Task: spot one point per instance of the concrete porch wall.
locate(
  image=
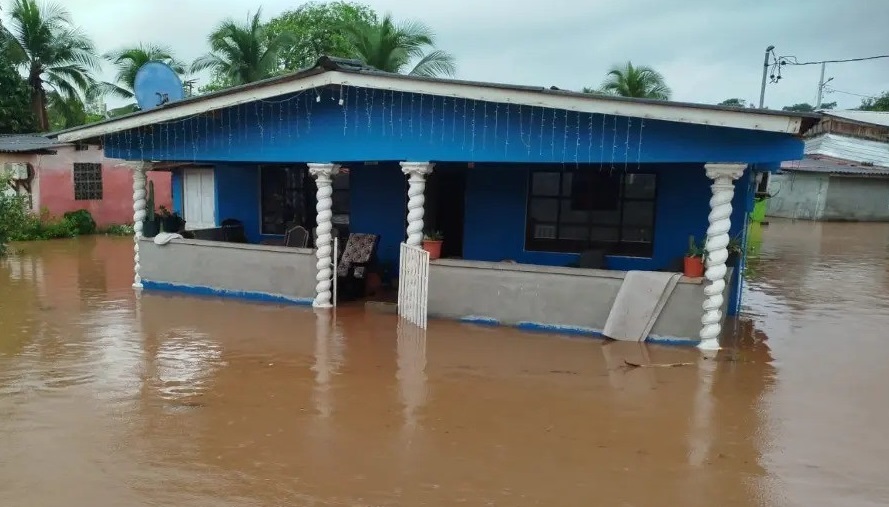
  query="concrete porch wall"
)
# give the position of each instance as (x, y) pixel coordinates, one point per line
(542, 296)
(237, 269)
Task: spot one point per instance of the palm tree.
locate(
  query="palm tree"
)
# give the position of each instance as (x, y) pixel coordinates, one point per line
(56, 54)
(241, 52)
(128, 62)
(391, 47)
(630, 81)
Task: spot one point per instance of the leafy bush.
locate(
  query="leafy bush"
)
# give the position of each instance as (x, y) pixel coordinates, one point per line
(119, 230)
(82, 221)
(18, 223)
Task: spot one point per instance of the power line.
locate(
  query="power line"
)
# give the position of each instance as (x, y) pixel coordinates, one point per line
(834, 90)
(791, 60)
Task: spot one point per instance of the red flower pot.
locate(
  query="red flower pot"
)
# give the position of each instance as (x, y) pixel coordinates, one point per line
(433, 247)
(694, 267)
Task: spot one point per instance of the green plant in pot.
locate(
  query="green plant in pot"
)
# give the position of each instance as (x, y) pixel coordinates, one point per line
(150, 225)
(734, 251)
(432, 241)
(170, 221)
(693, 264)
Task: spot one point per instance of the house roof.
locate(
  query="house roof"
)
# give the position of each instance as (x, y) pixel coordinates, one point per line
(879, 118)
(26, 143)
(334, 71)
(828, 165)
(849, 148)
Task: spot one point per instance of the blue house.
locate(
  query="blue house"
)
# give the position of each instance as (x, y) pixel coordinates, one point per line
(520, 181)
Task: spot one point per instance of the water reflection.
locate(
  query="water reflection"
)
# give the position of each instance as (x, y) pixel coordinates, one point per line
(411, 373)
(328, 358)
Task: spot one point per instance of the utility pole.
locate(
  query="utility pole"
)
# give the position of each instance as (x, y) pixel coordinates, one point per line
(821, 84)
(765, 70)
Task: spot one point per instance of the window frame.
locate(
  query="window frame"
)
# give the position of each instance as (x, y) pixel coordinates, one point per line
(619, 247)
(262, 212)
(95, 185)
(309, 198)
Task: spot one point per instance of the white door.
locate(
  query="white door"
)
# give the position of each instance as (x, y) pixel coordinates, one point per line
(199, 198)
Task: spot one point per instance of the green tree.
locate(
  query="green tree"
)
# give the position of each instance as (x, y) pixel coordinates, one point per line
(55, 54)
(241, 52)
(392, 47)
(630, 81)
(733, 103)
(880, 103)
(16, 116)
(128, 61)
(317, 29)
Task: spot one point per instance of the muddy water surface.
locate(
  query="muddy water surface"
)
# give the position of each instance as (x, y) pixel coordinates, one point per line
(110, 399)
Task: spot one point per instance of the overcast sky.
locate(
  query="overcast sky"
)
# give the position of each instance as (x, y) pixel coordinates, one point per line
(708, 50)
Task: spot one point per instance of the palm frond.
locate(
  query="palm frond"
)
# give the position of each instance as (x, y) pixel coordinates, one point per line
(435, 63)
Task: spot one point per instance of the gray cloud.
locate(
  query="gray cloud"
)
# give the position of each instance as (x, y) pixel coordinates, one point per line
(709, 50)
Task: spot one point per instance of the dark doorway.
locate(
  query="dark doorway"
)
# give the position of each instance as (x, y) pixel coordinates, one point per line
(445, 205)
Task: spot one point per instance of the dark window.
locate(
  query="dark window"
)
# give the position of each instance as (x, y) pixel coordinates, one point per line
(287, 199)
(284, 198)
(340, 207)
(87, 182)
(575, 210)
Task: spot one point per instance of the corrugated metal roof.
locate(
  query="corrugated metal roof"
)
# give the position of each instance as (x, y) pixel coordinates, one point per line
(832, 166)
(25, 143)
(849, 148)
(880, 118)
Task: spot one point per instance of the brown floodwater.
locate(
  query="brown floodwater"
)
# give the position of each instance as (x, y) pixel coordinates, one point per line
(107, 398)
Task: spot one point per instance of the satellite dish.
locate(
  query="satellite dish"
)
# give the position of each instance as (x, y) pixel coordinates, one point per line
(157, 84)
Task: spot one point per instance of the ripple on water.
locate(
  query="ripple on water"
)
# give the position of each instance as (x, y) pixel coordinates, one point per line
(186, 361)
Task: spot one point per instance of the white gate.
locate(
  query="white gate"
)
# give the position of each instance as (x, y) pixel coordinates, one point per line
(413, 284)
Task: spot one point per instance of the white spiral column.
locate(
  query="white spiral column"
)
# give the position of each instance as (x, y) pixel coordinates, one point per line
(139, 205)
(323, 174)
(723, 188)
(416, 172)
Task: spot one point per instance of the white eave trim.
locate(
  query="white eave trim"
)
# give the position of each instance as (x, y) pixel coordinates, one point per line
(667, 111)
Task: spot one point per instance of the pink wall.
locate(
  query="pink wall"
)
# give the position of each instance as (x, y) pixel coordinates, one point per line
(53, 187)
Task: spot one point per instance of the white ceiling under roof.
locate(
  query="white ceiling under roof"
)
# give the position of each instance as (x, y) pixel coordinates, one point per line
(880, 118)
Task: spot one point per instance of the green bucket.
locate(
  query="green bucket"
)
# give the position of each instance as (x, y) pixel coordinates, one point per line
(759, 210)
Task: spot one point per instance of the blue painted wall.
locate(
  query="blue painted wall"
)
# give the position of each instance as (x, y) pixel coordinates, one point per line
(237, 196)
(378, 203)
(176, 189)
(496, 212)
(377, 125)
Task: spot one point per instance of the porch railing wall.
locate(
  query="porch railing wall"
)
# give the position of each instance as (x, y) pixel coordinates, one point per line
(413, 285)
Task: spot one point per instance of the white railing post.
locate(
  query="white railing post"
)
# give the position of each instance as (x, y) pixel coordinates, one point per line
(335, 261)
(323, 174)
(139, 213)
(723, 189)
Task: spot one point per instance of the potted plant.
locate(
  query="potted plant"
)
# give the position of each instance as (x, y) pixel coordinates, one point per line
(432, 241)
(734, 251)
(170, 221)
(150, 224)
(693, 266)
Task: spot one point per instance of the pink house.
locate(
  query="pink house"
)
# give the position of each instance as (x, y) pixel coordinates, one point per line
(63, 177)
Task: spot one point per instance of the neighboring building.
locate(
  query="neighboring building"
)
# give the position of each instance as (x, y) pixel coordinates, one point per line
(845, 175)
(61, 177)
(520, 180)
